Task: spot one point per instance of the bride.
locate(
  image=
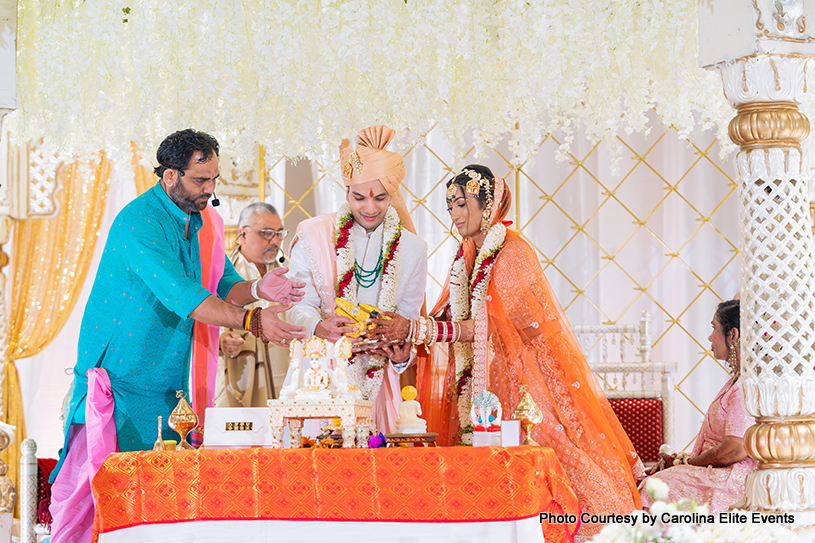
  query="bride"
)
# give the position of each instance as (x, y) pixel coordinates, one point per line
(507, 333)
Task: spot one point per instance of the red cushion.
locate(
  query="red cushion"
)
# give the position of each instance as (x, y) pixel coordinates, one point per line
(641, 419)
(44, 468)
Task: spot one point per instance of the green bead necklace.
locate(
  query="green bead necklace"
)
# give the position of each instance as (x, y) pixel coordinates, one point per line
(366, 278)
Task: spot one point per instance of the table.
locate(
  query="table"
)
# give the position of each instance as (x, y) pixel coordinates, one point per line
(354, 415)
(386, 494)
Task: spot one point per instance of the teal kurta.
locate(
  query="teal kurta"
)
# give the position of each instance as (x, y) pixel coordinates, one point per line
(136, 323)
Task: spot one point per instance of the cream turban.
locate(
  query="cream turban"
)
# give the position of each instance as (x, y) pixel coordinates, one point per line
(371, 161)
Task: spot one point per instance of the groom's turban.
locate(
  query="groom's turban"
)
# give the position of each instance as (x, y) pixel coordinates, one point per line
(370, 161)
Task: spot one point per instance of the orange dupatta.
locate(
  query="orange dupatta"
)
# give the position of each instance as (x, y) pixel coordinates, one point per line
(204, 365)
(530, 342)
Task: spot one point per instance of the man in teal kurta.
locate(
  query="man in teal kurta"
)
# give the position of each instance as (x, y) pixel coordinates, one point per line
(137, 323)
(139, 319)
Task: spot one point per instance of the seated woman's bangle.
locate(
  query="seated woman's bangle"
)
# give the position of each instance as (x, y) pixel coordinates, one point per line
(680, 458)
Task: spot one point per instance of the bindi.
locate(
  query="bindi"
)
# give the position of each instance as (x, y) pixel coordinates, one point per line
(371, 193)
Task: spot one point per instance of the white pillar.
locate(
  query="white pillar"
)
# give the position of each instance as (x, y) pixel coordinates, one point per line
(28, 491)
(762, 50)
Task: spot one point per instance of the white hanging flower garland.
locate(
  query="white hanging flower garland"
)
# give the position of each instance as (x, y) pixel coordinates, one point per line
(483, 71)
(366, 371)
(465, 303)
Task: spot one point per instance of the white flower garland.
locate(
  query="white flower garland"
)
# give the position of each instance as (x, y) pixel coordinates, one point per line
(392, 232)
(465, 304)
(474, 68)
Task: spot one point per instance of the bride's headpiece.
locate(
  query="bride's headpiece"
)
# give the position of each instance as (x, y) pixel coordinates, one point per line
(492, 194)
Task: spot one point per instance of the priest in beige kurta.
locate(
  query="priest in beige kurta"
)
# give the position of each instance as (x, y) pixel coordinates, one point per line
(249, 371)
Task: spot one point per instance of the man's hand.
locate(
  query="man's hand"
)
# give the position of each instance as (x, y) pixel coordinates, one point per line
(231, 343)
(275, 330)
(276, 287)
(395, 353)
(332, 329)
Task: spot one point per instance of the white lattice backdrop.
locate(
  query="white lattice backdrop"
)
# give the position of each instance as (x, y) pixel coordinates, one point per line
(661, 236)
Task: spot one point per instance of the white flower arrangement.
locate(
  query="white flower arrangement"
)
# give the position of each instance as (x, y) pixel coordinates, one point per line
(688, 522)
(299, 75)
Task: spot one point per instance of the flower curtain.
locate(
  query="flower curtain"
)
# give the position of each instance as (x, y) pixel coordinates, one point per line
(52, 259)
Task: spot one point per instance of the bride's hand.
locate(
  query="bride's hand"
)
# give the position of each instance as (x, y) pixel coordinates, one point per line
(394, 330)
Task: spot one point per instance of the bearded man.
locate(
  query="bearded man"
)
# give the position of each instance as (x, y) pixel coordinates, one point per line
(151, 325)
(367, 252)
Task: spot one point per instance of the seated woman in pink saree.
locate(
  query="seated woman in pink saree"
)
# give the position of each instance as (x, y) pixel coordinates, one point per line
(715, 471)
(506, 333)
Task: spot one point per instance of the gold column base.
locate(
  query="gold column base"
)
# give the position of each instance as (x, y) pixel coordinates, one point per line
(782, 442)
(761, 125)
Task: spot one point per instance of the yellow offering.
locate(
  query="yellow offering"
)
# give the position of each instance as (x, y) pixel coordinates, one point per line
(359, 314)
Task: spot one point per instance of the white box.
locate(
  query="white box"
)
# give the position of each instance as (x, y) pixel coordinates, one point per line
(510, 433)
(237, 428)
(486, 439)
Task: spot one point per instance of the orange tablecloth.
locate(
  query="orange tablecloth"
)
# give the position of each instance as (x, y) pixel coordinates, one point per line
(445, 484)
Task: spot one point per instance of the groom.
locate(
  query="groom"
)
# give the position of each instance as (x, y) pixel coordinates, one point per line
(367, 252)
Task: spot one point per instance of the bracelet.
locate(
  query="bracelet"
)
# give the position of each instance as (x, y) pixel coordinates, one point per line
(254, 289)
(431, 332)
(445, 331)
(247, 317)
(421, 332)
(456, 332)
(680, 458)
(412, 331)
(440, 332)
(256, 326)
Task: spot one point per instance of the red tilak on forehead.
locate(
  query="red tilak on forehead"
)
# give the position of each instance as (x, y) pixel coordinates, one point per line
(371, 194)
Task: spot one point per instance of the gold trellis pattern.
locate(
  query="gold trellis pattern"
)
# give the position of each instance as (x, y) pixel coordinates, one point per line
(677, 259)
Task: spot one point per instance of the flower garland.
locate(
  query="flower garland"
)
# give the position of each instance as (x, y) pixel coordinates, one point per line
(366, 371)
(467, 296)
(432, 56)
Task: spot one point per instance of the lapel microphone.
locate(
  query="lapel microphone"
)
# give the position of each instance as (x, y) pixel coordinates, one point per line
(215, 201)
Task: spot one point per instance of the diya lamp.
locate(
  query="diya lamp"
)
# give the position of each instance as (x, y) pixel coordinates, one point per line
(182, 420)
(529, 414)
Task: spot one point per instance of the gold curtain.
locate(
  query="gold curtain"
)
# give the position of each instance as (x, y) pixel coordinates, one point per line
(145, 178)
(52, 257)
